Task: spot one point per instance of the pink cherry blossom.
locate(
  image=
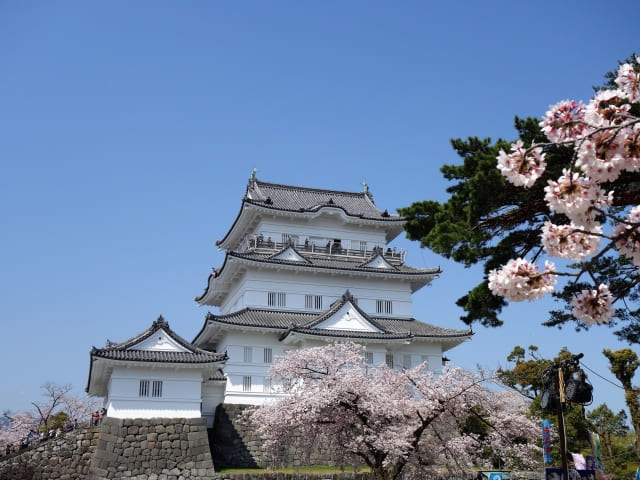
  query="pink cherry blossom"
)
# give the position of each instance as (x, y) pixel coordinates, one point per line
(628, 80)
(605, 137)
(629, 242)
(401, 423)
(608, 107)
(520, 280)
(520, 167)
(564, 121)
(575, 195)
(631, 147)
(601, 156)
(594, 306)
(570, 241)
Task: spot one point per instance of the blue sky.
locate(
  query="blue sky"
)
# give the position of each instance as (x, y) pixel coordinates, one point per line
(129, 130)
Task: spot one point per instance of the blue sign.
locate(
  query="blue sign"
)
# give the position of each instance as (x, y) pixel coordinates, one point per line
(495, 476)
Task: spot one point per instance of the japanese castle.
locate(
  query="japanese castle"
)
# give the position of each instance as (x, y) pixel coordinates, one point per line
(303, 267)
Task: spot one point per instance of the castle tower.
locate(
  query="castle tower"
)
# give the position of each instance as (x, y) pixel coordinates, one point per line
(307, 266)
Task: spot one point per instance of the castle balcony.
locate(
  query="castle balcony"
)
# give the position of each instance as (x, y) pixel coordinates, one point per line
(328, 248)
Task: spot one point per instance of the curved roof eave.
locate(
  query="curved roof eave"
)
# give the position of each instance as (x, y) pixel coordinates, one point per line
(417, 279)
(427, 275)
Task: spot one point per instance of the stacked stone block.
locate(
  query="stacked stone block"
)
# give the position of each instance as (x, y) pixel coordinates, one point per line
(66, 457)
(153, 448)
(235, 444)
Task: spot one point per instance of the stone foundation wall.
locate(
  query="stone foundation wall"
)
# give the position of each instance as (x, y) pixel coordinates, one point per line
(234, 444)
(160, 448)
(152, 448)
(66, 457)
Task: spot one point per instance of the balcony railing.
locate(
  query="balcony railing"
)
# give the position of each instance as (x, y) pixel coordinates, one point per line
(260, 244)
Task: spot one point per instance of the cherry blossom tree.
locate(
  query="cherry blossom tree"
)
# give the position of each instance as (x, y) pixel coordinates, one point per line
(589, 218)
(15, 427)
(401, 423)
(558, 216)
(59, 400)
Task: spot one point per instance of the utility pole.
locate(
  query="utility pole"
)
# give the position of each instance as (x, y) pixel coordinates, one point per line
(558, 370)
(561, 431)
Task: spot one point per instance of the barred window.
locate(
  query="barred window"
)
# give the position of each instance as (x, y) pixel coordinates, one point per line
(368, 357)
(313, 302)
(248, 354)
(384, 306)
(157, 388)
(246, 384)
(276, 299)
(268, 355)
(389, 360)
(266, 385)
(148, 387)
(144, 388)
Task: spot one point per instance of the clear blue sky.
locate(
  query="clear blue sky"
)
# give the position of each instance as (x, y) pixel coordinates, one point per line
(128, 131)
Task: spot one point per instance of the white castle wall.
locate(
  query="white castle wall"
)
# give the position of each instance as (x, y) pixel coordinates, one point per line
(252, 289)
(236, 369)
(181, 393)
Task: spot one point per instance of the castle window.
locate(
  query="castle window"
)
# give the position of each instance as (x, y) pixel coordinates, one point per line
(384, 306)
(277, 299)
(144, 388)
(157, 388)
(389, 360)
(368, 357)
(246, 384)
(248, 355)
(147, 387)
(268, 355)
(266, 385)
(406, 361)
(313, 302)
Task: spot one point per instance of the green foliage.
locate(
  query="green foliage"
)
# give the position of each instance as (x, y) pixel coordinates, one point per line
(623, 364)
(526, 375)
(623, 462)
(57, 421)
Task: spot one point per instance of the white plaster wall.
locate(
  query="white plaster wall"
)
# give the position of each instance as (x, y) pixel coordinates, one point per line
(236, 368)
(181, 393)
(252, 291)
(212, 396)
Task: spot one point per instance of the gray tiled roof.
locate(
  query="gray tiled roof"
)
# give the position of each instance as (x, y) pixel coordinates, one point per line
(123, 350)
(158, 356)
(335, 263)
(304, 322)
(303, 199)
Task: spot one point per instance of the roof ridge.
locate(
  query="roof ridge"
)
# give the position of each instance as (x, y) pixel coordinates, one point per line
(310, 189)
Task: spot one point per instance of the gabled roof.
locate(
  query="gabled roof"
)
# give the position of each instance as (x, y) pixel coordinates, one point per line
(378, 261)
(158, 344)
(417, 277)
(127, 350)
(289, 254)
(274, 198)
(285, 323)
